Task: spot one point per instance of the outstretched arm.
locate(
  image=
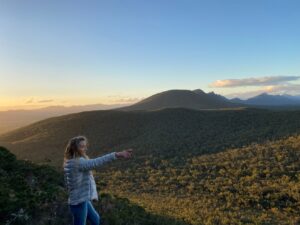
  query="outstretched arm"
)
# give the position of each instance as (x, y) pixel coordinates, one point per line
(90, 164)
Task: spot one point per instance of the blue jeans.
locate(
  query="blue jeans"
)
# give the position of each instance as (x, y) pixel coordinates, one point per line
(83, 211)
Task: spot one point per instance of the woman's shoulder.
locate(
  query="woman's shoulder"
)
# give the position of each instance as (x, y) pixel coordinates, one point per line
(82, 158)
(74, 159)
(70, 162)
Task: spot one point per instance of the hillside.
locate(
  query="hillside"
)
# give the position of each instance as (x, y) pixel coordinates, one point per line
(164, 133)
(29, 194)
(196, 99)
(256, 184)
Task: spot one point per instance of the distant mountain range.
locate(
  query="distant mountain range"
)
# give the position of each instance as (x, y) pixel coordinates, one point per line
(189, 99)
(265, 99)
(199, 100)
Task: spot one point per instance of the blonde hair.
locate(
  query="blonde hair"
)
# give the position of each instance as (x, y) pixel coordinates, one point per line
(71, 150)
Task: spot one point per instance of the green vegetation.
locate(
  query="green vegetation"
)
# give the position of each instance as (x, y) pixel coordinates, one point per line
(120, 211)
(256, 184)
(28, 193)
(34, 195)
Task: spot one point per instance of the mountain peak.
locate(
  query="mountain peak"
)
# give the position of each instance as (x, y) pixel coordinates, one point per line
(199, 91)
(192, 99)
(263, 94)
(212, 93)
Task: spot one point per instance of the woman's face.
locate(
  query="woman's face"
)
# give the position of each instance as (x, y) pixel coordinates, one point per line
(82, 147)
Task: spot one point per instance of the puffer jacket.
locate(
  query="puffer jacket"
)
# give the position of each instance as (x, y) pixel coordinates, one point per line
(79, 179)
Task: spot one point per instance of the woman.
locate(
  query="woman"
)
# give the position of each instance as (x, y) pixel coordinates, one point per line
(79, 179)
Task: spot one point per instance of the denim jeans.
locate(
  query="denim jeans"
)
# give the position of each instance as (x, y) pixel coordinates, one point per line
(83, 211)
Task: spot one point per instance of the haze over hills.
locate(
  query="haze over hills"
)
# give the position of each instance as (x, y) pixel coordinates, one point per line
(13, 119)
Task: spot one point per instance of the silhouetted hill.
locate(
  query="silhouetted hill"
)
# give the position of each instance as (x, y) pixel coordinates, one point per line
(196, 99)
(168, 132)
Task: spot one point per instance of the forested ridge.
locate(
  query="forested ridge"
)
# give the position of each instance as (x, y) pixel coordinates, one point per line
(170, 133)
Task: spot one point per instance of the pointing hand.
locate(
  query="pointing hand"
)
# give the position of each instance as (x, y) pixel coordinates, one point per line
(126, 154)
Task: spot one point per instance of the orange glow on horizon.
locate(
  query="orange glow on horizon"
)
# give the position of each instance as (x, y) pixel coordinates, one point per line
(28, 103)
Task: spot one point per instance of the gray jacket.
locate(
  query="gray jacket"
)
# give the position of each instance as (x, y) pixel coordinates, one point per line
(79, 179)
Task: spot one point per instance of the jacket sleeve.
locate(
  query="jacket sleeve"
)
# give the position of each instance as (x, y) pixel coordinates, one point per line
(90, 164)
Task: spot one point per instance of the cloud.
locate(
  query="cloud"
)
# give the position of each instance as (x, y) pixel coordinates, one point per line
(123, 99)
(253, 81)
(45, 100)
(285, 88)
(128, 99)
(32, 100)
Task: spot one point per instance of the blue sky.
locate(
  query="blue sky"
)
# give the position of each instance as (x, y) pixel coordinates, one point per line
(82, 52)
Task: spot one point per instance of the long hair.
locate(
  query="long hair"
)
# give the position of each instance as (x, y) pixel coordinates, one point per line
(71, 150)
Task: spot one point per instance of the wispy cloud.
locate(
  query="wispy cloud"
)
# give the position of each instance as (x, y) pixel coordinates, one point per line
(129, 100)
(45, 100)
(253, 81)
(32, 100)
(124, 99)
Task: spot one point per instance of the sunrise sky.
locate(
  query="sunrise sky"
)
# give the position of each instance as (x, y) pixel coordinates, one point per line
(86, 52)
